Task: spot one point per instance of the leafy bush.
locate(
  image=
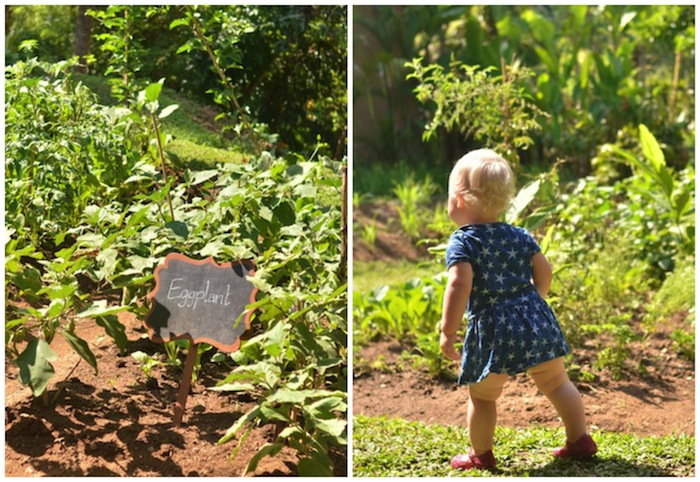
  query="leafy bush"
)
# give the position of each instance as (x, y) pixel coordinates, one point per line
(677, 293)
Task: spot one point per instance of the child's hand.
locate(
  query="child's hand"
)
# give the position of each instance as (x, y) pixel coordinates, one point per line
(447, 346)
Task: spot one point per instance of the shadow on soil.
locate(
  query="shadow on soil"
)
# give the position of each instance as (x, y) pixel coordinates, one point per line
(100, 420)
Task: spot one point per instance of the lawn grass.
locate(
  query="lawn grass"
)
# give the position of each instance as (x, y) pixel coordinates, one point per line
(398, 448)
(197, 141)
(368, 275)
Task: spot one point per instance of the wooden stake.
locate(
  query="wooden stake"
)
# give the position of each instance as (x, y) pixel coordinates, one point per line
(185, 384)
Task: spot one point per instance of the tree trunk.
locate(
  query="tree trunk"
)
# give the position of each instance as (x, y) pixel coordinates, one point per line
(82, 38)
(8, 22)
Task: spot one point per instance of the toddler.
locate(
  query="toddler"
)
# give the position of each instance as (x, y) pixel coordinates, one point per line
(497, 273)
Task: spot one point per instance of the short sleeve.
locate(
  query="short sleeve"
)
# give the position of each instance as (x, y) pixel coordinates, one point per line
(530, 243)
(459, 250)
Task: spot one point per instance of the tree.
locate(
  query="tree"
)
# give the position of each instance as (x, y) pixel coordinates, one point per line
(83, 26)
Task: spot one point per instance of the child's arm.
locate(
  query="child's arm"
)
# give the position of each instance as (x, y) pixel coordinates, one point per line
(541, 274)
(459, 286)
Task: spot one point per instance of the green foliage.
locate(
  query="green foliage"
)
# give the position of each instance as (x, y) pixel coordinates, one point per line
(124, 51)
(613, 355)
(597, 71)
(413, 196)
(49, 27)
(302, 52)
(282, 213)
(677, 293)
(429, 356)
(134, 45)
(368, 275)
(495, 110)
(368, 232)
(659, 186)
(51, 182)
(398, 448)
(684, 343)
(412, 308)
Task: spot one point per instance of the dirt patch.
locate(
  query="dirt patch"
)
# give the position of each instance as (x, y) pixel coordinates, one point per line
(660, 402)
(390, 241)
(119, 423)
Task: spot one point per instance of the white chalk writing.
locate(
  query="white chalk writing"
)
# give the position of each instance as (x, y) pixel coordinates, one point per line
(189, 298)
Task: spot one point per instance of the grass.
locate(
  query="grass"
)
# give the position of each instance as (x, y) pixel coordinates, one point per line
(197, 141)
(368, 275)
(198, 156)
(398, 448)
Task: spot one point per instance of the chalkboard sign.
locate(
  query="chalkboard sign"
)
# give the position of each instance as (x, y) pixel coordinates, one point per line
(201, 300)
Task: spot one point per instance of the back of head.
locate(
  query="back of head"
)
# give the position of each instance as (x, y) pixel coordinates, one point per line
(483, 179)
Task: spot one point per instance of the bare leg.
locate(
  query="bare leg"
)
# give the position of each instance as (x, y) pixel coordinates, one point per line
(481, 413)
(553, 381)
(567, 401)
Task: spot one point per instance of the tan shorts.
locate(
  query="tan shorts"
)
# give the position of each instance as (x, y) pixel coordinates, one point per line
(547, 376)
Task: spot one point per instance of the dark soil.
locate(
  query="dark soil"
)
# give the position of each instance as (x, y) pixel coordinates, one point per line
(120, 423)
(656, 399)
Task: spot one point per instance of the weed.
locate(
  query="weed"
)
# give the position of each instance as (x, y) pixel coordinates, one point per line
(369, 234)
(684, 343)
(413, 197)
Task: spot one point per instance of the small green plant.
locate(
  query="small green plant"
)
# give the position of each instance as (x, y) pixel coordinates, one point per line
(147, 362)
(614, 355)
(369, 234)
(413, 196)
(431, 358)
(684, 343)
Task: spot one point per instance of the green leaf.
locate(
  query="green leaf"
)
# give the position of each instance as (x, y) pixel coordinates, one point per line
(199, 177)
(522, 200)
(333, 427)
(318, 465)
(269, 412)
(269, 449)
(284, 395)
(240, 423)
(178, 22)
(326, 407)
(167, 111)
(152, 92)
(81, 348)
(651, 149)
(35, 369)
(233, 387)
(179, 228)
(100, 308)
(114, 329)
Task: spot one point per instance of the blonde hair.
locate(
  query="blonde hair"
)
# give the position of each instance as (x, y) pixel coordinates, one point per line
(483, 179)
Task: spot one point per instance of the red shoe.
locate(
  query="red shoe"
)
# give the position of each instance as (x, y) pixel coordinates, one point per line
(485, 461)
(583, 448)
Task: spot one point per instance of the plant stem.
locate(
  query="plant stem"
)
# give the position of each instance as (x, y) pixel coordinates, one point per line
(674, 90)
(197, 29)
(162, 164)
(60, 385)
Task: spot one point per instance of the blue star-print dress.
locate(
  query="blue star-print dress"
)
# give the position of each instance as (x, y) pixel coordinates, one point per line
(511, 328)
